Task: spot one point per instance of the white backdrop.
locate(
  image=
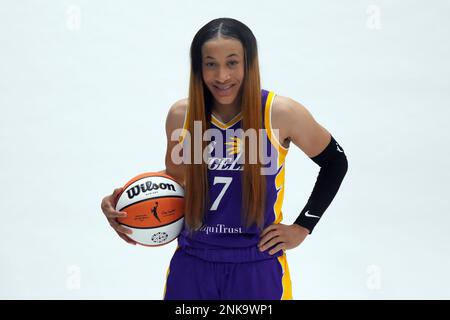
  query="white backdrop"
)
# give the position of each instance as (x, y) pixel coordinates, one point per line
(84, 91)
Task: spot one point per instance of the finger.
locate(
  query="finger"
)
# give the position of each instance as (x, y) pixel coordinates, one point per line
(115, 194)
(268, 237)
(109, 210)
(113, 223)
(279, 247)
(271, 243)
(119, 228)
(112, 214)
(117, 190)
(126, 238)
(124, 230)
(268, 229)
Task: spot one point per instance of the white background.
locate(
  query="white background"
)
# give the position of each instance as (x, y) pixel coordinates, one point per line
(84, 91)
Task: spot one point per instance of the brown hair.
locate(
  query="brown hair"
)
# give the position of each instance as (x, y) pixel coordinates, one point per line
(200, 100)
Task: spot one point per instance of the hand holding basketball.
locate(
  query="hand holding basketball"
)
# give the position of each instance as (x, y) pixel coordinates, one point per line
(154, 207)
(108, 204)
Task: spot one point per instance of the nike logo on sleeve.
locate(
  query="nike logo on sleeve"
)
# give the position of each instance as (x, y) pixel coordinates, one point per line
(311, 215)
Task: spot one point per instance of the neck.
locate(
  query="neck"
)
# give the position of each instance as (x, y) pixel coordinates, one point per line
(226, 112)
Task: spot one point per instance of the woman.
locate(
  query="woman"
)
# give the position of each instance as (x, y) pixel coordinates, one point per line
(233, 243)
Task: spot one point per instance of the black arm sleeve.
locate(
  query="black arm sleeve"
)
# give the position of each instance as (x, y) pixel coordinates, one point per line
(333, 167)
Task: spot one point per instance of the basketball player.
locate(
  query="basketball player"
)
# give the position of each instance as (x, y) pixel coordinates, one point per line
(233, 245)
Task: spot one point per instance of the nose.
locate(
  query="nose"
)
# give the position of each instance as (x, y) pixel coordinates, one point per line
(223, 75)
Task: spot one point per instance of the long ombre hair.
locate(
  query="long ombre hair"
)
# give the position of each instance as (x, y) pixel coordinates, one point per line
(199, 109)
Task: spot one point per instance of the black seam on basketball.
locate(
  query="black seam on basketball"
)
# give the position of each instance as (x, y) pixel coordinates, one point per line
(166, 197)
(151, 227)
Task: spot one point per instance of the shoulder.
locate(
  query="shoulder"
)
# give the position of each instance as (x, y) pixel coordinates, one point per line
(291, 114)
(286, 113)
(299, 125)
(176, 114)
(178, 108)
(280, 115)
(285, 107)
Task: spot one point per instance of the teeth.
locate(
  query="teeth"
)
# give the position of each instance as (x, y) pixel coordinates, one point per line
(224, 88)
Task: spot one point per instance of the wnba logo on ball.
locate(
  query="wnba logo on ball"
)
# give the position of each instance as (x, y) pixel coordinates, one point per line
(148, 186)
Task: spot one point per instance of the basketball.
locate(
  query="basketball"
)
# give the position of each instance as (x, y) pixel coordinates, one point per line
(154, 203)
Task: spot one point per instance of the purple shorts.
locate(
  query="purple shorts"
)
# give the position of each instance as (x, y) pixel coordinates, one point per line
(192, 278)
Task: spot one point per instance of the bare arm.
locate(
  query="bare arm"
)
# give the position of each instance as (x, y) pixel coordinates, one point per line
(300, 127)
(318, 144)
(174, 121)
(296, 124)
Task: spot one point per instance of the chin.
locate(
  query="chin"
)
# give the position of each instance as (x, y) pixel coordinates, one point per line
(225, 100)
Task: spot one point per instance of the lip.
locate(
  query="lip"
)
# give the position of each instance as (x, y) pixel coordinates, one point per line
(223, 93)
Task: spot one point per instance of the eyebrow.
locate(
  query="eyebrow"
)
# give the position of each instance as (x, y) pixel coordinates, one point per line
(233, 54)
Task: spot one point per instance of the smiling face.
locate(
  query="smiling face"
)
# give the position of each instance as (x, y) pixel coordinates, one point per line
(223, 69)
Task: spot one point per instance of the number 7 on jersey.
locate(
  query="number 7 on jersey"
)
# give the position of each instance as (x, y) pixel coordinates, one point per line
(226, 181)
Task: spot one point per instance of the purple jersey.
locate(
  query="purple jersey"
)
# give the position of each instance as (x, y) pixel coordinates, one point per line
(223, 229)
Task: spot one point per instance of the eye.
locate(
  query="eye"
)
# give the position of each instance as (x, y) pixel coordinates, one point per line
(209, 63)
(233, 62)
